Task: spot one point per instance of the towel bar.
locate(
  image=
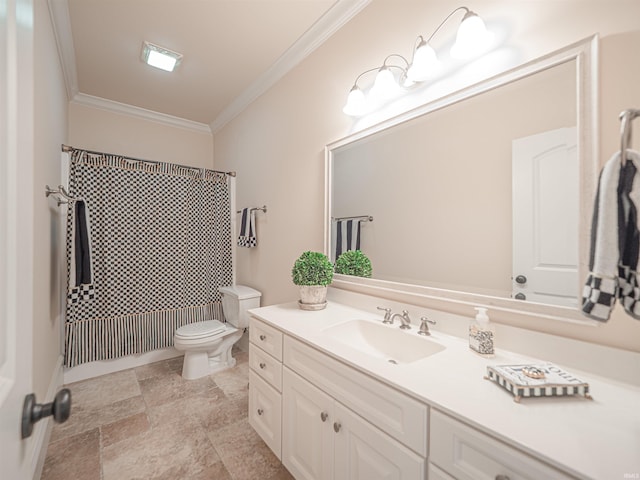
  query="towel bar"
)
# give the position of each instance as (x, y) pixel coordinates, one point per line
(626, 117)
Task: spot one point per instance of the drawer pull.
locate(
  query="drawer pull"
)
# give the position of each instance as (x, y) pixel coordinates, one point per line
(502, 477)
(336, 427)
(263, 365)
(324, 416)
(260, 411)
(263, 337)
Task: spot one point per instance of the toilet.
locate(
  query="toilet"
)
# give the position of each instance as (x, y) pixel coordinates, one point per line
(207, 345)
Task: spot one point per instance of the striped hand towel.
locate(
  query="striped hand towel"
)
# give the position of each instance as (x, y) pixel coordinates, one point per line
(247, 237)
(347, 236)
(80, 270)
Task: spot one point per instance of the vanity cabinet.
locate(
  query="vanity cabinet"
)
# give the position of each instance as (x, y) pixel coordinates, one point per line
(265, 384)
(336, 422)
(465, 453)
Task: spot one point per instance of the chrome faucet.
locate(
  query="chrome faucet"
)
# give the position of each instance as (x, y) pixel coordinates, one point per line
(405, 321)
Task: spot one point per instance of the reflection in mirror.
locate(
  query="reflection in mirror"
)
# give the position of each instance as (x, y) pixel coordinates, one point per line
(481, 195)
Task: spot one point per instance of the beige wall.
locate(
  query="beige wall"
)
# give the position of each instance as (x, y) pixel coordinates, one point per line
(109, 132)
(50, 130)
(276, 145)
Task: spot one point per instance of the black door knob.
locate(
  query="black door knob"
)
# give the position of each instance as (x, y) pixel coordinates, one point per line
(60, 408)
(521, 279)
(520, 296)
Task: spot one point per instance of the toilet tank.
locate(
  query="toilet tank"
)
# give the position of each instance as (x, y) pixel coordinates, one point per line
(236, 300)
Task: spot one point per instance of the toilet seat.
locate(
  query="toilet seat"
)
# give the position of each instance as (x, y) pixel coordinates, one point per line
(198, 330)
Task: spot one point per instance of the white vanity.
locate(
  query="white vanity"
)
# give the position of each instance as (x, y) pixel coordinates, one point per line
(326, 398)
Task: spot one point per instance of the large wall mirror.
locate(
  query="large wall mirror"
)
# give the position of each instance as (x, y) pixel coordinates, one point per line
(483, 196)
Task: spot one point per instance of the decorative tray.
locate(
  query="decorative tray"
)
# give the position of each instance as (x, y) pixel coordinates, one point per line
(540, 380)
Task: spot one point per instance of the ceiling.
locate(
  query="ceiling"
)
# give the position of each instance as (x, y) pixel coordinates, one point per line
(233, 51)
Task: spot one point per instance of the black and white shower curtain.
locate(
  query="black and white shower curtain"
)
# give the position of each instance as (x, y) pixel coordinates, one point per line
(160, 248)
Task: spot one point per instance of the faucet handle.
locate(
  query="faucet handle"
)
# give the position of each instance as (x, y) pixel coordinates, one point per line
(406, 320)
(387, 314)
(424, 328)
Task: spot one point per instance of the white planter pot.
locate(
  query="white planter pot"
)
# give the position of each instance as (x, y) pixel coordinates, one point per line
(313, 297)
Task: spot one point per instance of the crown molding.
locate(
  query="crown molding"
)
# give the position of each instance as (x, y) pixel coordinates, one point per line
(132, 111)
(339, 14)
(61, 24)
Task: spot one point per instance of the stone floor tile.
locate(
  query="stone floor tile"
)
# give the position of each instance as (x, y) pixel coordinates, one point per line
(159, 453)
(125, 428)
(160, 390)
(234, 382)
(157, 369)
(244, 454)
(75, 457)
(88, 417)
(105, 389)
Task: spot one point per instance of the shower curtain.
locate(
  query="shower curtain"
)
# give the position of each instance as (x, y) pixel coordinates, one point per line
(160, 245)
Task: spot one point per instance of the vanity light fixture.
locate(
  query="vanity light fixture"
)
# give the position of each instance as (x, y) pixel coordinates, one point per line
(472, 39)
(160, 57)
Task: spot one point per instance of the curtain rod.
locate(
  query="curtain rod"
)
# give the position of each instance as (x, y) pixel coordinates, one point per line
(67, 148)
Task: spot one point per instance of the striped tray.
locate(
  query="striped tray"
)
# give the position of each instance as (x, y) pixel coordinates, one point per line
(537, 380)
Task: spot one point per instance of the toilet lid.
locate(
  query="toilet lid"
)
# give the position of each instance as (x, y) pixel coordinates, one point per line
(201, 329)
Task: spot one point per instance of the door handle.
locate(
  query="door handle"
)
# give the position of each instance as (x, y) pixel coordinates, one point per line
(60, 408)
(521, 279)
(520, 296)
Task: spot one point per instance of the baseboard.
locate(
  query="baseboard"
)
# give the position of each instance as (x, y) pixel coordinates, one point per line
(42, 430)
(102, 367)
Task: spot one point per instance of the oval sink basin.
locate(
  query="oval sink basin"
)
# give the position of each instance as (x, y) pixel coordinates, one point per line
(382, 341)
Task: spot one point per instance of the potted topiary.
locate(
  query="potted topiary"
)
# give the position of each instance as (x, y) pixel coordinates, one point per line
(354, 262)
(312, 272)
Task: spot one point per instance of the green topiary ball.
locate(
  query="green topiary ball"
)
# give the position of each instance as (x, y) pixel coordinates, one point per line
(355, 263)
(312, 268)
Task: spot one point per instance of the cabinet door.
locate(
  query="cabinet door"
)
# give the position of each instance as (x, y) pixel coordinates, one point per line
(307, 442)
(265, 412)
(362, 452)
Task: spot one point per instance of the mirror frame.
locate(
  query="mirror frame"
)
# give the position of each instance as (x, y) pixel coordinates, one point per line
(585, 53)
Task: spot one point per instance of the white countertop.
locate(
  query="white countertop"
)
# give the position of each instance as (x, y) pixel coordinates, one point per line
(598, 438)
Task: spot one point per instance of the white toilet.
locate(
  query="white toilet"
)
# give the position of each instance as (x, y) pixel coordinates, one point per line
(207, 345)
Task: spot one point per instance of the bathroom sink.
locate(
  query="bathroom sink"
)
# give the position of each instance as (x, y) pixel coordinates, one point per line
(384, 341)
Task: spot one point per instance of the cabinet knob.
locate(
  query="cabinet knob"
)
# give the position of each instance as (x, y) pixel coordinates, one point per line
(263, 337)
(336, 427)
(502, 477)
(263, 365)
(324, 416)
(260, 411)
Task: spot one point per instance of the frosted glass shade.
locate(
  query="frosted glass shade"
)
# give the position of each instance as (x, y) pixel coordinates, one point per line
(472, 38)
(385, 85)
(425, 62)
(356, 104)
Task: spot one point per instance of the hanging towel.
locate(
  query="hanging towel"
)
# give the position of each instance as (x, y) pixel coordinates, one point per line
(247, 237)
(615, 241)
(80, 270)
(347, 236)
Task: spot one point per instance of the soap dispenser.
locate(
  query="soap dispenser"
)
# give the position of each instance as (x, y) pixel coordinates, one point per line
(482, 333)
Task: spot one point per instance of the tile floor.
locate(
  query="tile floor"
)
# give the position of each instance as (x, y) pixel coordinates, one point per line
(149, 423)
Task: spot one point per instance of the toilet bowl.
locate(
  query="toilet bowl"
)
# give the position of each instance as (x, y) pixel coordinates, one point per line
(207, 344)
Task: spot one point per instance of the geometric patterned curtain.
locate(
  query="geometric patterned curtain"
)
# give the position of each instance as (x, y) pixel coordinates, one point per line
(160, 243)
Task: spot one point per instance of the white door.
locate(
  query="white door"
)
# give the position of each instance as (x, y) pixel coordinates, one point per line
(16, 234)
(545, 217)
(362, 452)
(307, 435)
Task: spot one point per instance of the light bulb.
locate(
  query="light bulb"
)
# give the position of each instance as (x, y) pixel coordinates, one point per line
(472, 38)
(356, 104)
(385, 85)
(424, 63)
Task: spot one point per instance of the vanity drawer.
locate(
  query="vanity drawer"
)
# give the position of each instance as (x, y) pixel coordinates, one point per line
(266, 337)
(267, 367)
(468, 454)
(400, 416)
